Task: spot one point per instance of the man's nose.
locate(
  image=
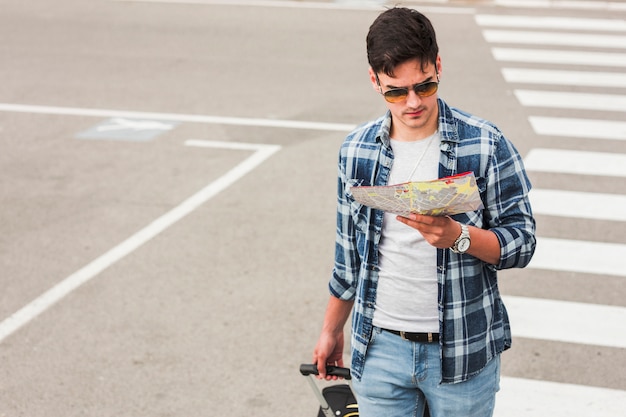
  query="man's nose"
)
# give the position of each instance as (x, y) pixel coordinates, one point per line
(412, 99)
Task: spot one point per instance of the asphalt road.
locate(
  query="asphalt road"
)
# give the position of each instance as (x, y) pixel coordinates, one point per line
(168, 188)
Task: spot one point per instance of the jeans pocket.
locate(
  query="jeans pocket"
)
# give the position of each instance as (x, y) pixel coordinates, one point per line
(375, 332)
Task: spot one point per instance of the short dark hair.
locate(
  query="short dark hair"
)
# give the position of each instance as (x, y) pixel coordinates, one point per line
(399, 35)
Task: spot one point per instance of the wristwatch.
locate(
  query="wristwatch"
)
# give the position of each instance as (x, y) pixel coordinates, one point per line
(462, 243)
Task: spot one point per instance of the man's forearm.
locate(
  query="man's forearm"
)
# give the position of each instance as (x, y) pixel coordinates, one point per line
(337, 313)
(485, 245)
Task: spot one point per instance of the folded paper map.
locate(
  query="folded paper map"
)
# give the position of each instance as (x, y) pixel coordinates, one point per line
(441, 197)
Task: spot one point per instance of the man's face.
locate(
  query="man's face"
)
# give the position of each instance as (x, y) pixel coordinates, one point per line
(415, 116)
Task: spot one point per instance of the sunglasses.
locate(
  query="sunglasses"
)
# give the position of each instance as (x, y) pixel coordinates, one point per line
(396, 95)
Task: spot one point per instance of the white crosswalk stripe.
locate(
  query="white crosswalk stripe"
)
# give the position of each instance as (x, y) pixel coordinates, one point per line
(579, 128)
(564, 77)
(570, 100)
(550, 22)
(579, 256)
(552, 38)
(528, 49)
(566, 321)
(531, 398)
(551, 56)
(576, 162)
(597, 206)
(564, 4)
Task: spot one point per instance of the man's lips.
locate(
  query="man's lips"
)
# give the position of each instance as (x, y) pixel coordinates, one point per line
(414, 113)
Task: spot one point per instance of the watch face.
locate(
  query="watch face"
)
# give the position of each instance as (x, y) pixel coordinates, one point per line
(463, 245)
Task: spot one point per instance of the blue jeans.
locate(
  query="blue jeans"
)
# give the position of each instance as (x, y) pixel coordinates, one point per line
(399, 376)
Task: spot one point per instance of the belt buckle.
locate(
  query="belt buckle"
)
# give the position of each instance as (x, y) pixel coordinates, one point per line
(403, 335)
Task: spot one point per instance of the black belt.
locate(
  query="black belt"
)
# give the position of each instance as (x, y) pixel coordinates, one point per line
(416, 337)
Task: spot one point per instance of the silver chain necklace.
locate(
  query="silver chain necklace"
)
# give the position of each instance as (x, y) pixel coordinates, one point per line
(430, 141)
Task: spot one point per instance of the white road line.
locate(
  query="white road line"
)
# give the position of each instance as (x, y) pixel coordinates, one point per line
(263, 3)
(191, 118)
(554, 38)
(576, 162)
(596, 206)
(347, 5)
(578, 128)
(556, 77)
(572, 100)
(545, 56)
(552, 23)
(564, 4)
(235, 146)
(585, 257)
(91, 270)
(532, 398)
(566, 321)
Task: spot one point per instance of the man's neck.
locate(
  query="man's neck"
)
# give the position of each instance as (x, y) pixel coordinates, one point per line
(405, 134)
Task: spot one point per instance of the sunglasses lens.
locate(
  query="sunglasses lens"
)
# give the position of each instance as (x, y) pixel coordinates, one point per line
(426, 89)
(395, 95)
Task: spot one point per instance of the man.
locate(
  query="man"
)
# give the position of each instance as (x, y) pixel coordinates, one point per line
(428, 324)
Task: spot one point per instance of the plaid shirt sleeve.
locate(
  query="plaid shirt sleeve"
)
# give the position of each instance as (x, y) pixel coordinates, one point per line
(360, 160)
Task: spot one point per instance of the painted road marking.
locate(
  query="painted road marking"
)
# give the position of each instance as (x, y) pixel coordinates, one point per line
(556, 77)
(176, 117)
(596, 206)
(343, 5)
(566, 321)
(42, 303)
(127, 129)
(554, 38)
(552, 23)
(564, 4)
(569, 100)
(585, 257)
(576, 162)
(533, 398)
(549, 56)
(578, 128)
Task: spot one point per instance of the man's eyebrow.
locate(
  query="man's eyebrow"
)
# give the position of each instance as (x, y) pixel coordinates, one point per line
(427, 80)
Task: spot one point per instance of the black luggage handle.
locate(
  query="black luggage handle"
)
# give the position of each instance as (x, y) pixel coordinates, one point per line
(311, 369)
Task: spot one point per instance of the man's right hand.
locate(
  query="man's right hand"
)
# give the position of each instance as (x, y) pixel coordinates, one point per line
(329, 348)
(328, 351)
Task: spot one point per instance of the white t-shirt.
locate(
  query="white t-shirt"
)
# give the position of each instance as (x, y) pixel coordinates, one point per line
(406, 298)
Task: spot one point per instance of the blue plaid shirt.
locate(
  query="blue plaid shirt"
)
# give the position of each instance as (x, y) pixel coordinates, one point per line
(473, 321)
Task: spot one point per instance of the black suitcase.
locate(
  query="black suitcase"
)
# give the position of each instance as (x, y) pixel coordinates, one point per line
(335, 400)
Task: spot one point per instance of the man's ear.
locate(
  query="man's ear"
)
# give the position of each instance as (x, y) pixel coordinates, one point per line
(374, 80)
(438, 66)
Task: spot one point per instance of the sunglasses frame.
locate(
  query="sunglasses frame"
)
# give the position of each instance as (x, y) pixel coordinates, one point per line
(419, 89)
